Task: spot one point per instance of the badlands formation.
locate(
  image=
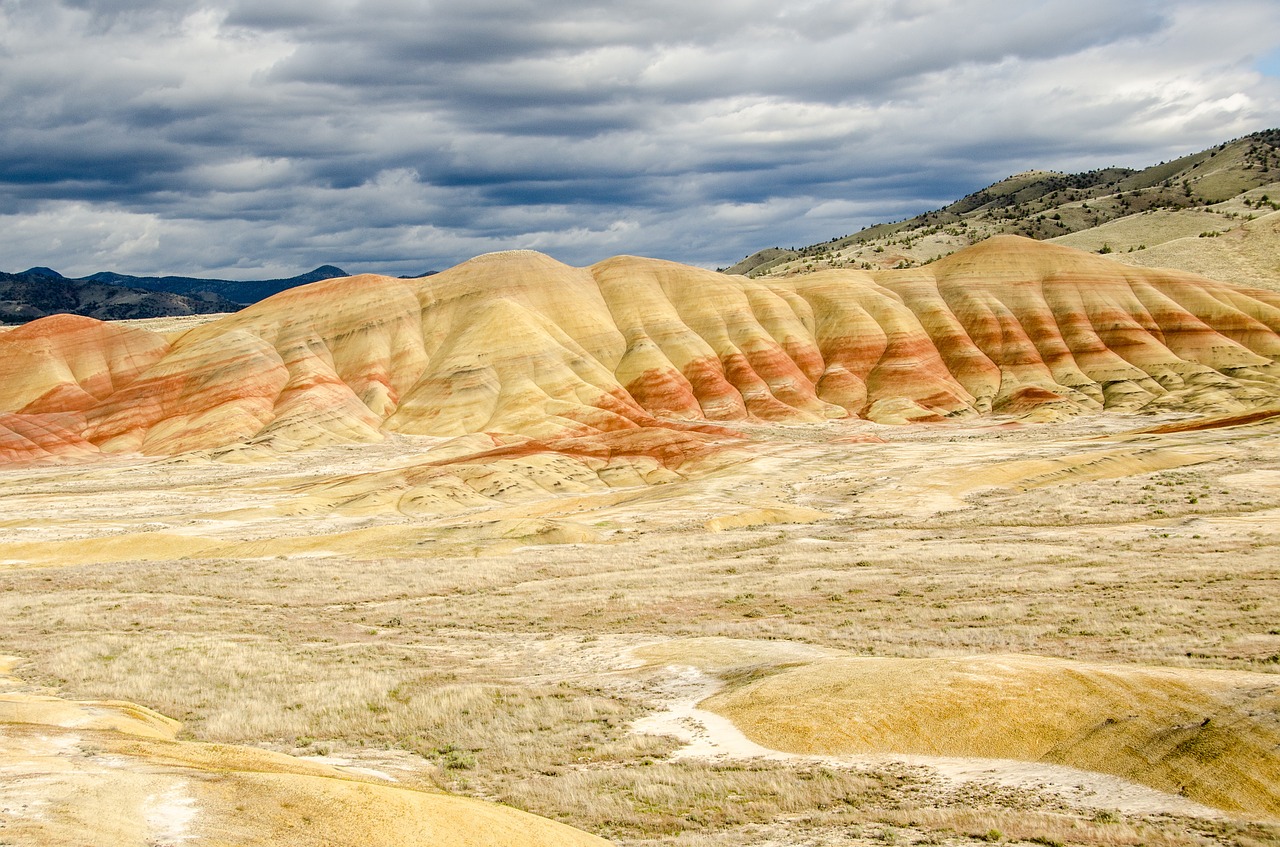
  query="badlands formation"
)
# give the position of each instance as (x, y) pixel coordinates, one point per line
(978, 551)
(638, 357)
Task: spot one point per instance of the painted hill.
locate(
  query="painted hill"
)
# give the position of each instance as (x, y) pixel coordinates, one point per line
(639, 356)
(1118, 211)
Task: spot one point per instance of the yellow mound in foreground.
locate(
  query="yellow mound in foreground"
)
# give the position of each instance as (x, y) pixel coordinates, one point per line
(80, 773)
(1213, 736)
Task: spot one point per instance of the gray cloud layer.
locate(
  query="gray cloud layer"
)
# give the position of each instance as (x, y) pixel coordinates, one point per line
(250, 138)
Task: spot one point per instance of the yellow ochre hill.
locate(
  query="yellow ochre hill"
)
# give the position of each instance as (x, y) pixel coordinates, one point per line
(1204, 734)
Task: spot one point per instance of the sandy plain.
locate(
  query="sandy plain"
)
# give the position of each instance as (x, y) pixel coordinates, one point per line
(524, 648)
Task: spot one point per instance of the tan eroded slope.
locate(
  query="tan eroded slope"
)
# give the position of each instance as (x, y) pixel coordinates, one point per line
(649, 352)
(1209, 735)
(113, 773)
(1246, 255)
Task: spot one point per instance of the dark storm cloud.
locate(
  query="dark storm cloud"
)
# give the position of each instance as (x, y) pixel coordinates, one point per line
(531, 55)
(395, 135)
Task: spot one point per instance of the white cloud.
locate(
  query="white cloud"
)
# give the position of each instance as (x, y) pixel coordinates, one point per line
(235, 137)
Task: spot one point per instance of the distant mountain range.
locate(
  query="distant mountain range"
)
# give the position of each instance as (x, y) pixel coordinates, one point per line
(243, 293)
(40, 291)
(1212, 213)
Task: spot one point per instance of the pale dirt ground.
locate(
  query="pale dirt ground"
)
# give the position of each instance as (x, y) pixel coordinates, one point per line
(248, 602)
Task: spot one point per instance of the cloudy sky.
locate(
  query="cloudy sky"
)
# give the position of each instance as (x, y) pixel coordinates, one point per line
(265, 137)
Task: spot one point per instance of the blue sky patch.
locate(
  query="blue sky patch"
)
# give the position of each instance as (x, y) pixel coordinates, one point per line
(1270, 63)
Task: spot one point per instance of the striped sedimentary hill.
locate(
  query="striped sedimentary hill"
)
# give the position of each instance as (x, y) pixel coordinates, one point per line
(644, 356)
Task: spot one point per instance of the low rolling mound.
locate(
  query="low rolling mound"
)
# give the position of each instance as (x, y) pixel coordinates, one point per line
(113, 773)
(1212, 736)
(1248, 254)
(520, 344)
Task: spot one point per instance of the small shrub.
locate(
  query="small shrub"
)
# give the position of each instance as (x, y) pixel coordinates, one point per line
(455, 758)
